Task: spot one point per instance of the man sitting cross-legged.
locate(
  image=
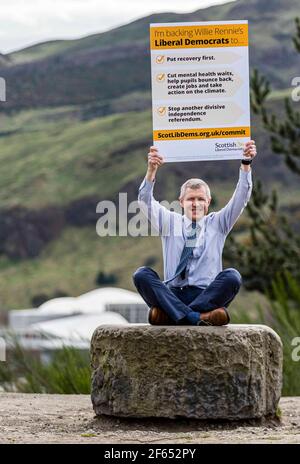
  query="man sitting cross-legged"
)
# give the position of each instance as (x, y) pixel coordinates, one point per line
(196, 291)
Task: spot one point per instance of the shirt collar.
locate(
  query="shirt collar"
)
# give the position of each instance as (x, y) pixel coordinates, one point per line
(188, 221)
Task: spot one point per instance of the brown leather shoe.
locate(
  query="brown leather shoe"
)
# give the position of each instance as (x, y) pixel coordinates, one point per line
(157, 316)
(217, 316)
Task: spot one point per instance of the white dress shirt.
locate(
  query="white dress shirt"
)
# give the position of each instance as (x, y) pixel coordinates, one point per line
(206, 260)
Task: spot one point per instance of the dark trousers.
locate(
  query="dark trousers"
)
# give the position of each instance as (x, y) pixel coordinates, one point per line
(177, 302)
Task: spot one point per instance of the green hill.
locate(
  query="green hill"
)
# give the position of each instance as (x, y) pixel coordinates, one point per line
(56, 167)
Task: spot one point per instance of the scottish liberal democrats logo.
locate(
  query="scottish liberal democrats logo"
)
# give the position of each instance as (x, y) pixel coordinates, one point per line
(229, 146)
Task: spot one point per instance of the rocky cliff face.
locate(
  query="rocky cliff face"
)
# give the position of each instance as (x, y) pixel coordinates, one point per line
(24, 233)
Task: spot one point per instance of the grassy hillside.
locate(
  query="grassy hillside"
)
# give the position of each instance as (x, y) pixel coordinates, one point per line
(70, 265)
(52, 157)
(57, 162)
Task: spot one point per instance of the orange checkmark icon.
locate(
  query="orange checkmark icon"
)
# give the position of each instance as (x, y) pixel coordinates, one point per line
(162, 110)
(160, 77)
(160, 59)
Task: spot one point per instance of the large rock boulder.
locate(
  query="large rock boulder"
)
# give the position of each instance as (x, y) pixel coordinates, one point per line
(230, 372)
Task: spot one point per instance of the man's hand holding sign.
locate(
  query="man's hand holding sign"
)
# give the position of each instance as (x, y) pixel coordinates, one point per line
(200, 112)
(156, 160)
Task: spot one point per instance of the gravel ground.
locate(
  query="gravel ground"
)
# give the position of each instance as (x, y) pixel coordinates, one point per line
(30, 418)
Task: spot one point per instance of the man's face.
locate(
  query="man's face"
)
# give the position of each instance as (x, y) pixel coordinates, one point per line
(195, 203)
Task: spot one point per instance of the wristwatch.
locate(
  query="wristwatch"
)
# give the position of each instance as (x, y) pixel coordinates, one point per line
(247, 161)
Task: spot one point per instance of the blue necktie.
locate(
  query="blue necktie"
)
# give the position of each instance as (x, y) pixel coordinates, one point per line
(186, 253)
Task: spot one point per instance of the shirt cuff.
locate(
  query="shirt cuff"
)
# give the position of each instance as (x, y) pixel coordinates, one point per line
(147, 184)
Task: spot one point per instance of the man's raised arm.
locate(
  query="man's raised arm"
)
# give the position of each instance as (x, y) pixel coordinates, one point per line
(227, 216)
(157, 214)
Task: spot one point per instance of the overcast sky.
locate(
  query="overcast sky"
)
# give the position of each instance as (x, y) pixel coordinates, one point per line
(25, 22)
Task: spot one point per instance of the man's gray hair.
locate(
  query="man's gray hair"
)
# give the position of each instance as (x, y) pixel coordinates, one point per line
(194, 184)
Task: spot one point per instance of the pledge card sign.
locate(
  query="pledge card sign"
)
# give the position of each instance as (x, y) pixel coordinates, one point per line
(200, 89)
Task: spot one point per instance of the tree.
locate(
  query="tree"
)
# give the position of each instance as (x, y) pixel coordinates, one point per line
(285, 319)
(273, 245)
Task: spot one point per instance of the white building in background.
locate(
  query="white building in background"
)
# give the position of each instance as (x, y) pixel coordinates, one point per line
(73, 331)
(93, 302)
(71, 321)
